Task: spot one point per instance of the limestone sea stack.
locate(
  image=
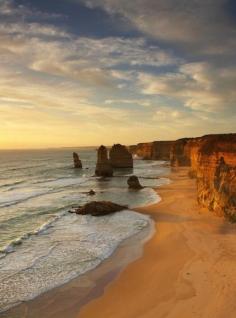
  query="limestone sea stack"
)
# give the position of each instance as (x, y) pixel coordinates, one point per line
(133, 183)
(120, 157)
(77, 161)
(103, 167)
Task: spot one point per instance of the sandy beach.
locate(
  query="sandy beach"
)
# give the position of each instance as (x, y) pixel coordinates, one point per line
(187, 268)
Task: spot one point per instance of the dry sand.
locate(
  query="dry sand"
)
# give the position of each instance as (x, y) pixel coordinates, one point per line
(187, 269)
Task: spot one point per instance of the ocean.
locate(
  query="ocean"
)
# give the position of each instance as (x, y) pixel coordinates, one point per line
(42, 245)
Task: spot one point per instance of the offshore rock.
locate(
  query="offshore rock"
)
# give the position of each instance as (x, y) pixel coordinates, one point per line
(133, 183)
(120, 157)
(99, 208)
(77, 161)
(103, 167)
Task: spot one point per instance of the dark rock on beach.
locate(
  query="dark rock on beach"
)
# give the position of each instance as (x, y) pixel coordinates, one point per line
(133, 183)
(99, 208)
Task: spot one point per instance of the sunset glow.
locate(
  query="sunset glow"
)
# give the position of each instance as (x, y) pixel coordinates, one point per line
(81, 73)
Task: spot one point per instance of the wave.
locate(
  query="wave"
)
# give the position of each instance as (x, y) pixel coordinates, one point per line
(21, 168)
(21, 198)
(61, 182)
(11, 184)
(52, 186)
(73, 246)
(11, 247)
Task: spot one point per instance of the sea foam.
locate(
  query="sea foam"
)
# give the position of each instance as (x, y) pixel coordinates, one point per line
(71, 247)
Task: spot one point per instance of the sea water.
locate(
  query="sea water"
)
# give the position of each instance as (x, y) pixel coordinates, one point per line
(43, 246)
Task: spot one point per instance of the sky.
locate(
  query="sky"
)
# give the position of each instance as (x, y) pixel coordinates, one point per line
(91, 72)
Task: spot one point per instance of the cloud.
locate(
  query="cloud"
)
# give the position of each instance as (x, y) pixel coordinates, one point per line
(140, 102)
(9, 11)
(45, 48)
(198, 24)
(199, 86)
(61, 88)
(92, 55)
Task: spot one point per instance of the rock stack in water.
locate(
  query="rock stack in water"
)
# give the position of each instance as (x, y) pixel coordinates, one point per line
(133, 183)
(120, 157)
(77, 161)
(103, 167)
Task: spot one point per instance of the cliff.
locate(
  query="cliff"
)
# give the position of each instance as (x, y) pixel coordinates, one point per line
(161, 150)
(180, 153)
(120, 157)
(157, 150)
(142, 150)
(213, 163)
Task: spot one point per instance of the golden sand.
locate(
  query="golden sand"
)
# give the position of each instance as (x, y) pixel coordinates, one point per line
(187, 269)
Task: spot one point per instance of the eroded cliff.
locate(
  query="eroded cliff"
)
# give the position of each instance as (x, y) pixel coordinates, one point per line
(156, 150)
(212, 159)
(180, 153)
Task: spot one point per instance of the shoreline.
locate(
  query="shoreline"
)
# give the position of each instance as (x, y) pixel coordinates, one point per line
(187, 268)
(88, 285)
(188, 265)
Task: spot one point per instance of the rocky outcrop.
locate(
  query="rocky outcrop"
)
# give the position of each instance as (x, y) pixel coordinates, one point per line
(99, 208)
(156, 150)
(120, 157)
(133, 183)
(180, 153)
(218, 192)
(77, 161)
(161, 150)
(103, 167)
(212, 161)
(142, 150)
(213, 164)
(91, 192)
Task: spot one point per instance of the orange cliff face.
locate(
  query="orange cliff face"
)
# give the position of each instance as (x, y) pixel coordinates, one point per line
(142, 150)
(213, 163)
(161, 150)
(157, 150)
(180, 153)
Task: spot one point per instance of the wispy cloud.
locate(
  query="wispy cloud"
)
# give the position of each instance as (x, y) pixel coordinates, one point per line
(199, 86)
(199, 24)
(176, 74)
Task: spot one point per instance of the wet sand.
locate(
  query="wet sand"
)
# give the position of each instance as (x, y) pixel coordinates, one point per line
(187, 269)
(65, 301)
